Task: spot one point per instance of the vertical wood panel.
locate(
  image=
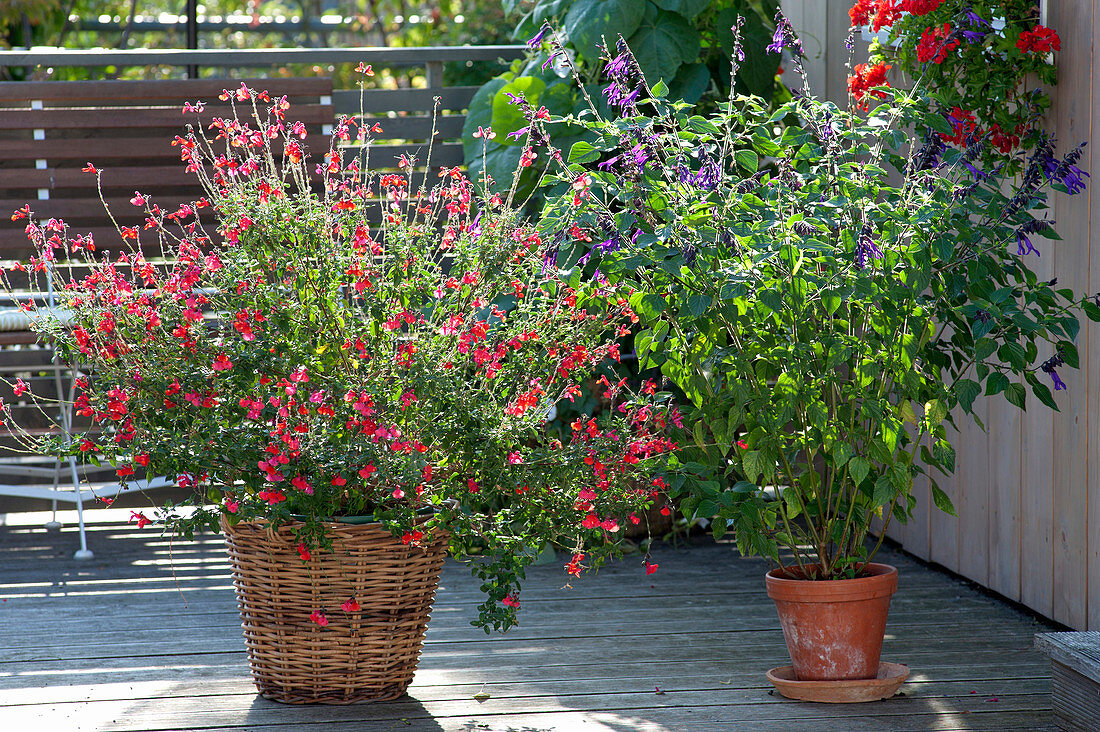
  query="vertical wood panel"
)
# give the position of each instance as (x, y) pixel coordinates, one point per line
(1072, 116)
(944, 531)
(808, 19)
(1092, 156)
(973, 505)
(1037, 497)
(917, 531)
(836, 28)
(1004, 497)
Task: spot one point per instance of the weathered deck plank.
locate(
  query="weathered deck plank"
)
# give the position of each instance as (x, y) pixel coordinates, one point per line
(135, 642)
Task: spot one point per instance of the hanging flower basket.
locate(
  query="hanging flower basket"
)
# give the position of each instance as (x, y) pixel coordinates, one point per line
(339, 627)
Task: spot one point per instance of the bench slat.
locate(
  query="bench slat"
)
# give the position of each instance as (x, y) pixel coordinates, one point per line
(187, 89)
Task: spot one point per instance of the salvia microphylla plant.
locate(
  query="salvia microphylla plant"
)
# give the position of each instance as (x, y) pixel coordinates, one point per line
(826, 295)
(311, 354)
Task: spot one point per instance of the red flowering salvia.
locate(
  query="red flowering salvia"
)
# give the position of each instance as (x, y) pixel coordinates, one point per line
(305, 355)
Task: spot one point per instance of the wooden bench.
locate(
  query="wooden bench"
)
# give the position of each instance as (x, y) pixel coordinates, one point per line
(49, 131)
(1075, 677)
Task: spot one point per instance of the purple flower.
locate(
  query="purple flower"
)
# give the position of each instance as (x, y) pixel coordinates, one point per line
(866, 249)
(784, 36)
(708, 175)
(1023, 241)
(618, 66)
(1049, 365)
(536, 39)
(974, 34)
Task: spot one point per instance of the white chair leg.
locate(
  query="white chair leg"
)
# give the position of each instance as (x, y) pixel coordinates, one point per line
(84, 553)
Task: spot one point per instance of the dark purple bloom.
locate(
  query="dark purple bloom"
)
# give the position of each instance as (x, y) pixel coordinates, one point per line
(606, 165)
(866, 249)
(708, 175)
(520, 132)
(1023, 241)
(784, 36)
(618, 66)
(536, 39)
(1049, 365)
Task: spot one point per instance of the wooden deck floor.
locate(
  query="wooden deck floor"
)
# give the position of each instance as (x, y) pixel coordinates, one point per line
(146, 637)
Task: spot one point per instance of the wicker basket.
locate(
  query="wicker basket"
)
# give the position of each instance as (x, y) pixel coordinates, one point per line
(366, 655)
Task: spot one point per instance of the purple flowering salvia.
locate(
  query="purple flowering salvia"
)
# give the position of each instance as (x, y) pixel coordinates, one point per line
(536, 40)
(973, 33)
(1023, 241)
(1049, 365)
(784, 36)
(866, 249)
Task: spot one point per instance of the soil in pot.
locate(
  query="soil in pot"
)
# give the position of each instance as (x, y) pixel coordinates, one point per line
(834, 628)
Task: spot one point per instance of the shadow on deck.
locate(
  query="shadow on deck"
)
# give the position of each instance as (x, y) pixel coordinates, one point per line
(146, 637)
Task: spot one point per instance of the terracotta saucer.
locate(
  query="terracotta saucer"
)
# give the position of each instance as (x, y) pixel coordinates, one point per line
(889, 680)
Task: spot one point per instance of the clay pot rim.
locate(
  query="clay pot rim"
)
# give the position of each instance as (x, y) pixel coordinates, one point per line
(881, 582)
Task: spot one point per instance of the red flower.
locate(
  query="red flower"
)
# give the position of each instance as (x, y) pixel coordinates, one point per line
(222, 363)
(510, 601)
(933, 44)
(303, 552)
(591, 521)
(365, 473)
(125, 471)
(1040, 39)
(318, 617)
(919, 7)
(350, 606)
(650, 568)
(141, 518)
(20, 387)
(862, 83)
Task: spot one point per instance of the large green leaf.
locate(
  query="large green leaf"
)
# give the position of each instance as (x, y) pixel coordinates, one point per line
(690, 83)
(479, 114)
(663, 42)
(687, 8)
(589, 22)
(508, 117)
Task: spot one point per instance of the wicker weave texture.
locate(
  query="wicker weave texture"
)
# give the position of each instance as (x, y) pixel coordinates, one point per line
(366, 655)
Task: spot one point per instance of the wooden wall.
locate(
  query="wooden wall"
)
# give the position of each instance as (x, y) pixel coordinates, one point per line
(1027, 489)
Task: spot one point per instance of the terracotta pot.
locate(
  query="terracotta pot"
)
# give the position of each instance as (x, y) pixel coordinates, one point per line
(834, 628)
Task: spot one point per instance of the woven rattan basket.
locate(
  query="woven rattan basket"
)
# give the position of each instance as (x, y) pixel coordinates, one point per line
(366, 655)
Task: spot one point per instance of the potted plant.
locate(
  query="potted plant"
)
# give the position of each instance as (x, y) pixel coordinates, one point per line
(353, 371)
(826, 295)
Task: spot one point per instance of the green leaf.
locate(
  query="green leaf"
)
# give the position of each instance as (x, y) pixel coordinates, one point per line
(858, 468)
(996, 383)
(660, 89)
(647, 304)
(748, 160)
(698, 304)
(884, 491)
(1092, 311)
(589, 22)
(687, 8)
(508, 117)
(942, 501)
(966, 391)
(1043, 393)
(772, 299)
(1016, 394)
(944, 454)
(583, 152)
(753, 463)
(938, 122)
(690, 83)
(663, 42)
